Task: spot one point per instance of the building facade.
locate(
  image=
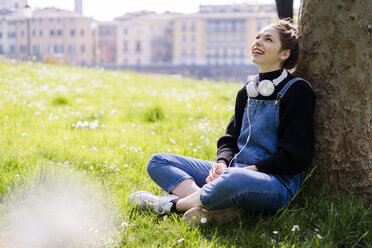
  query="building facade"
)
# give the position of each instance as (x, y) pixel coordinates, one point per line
(145, 40)
(13, 4)
(53, 34)
(219, 35)
(107, 43)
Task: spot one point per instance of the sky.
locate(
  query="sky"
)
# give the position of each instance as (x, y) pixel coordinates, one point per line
(106, 10)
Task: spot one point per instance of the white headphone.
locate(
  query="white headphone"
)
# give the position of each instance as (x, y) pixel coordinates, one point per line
(265, 87)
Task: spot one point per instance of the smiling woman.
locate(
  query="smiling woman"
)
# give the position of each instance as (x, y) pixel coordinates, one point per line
(261, 157)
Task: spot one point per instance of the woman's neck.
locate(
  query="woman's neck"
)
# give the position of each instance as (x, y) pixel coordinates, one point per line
(264, 69)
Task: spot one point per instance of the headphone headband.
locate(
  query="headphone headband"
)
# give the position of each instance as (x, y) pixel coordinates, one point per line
(265, 87)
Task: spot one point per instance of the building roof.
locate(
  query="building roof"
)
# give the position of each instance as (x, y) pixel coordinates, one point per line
(227, 15)
(45, 13)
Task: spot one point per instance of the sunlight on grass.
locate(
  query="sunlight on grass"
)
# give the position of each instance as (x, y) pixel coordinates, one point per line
(64, 126)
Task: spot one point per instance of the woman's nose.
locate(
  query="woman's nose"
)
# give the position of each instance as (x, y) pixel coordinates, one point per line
(257, 41)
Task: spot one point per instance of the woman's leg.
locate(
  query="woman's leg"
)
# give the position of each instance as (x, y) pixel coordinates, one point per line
(190, 201)
(250, 190)
(178, 174)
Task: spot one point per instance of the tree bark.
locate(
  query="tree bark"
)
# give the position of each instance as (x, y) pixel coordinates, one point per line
(336, 58)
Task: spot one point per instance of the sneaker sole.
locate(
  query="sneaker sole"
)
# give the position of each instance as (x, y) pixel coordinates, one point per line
(201, 216)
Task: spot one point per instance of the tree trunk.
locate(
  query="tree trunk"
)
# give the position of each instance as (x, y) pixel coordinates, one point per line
(336, 55)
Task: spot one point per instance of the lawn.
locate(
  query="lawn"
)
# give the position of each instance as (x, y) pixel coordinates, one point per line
(74, 144)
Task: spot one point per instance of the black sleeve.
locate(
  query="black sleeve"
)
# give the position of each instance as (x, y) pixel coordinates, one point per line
(295, 132)
(227, 145)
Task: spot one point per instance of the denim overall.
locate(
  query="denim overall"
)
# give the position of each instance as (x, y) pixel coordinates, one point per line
(247, 189)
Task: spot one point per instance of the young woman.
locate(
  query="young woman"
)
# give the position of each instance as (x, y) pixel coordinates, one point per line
(261, 158)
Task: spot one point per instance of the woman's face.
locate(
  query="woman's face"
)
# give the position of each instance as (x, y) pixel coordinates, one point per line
(266, 50)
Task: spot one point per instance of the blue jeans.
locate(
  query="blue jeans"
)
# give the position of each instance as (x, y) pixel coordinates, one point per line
(246, 189)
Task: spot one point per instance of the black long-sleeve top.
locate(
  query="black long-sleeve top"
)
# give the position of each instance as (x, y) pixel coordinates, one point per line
(295, 131)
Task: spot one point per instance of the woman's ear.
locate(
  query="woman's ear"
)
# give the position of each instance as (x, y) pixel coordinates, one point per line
(285, 54)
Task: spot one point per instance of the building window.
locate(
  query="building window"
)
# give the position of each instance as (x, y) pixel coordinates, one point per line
(193, 52)
(40, 32)
(33, 33)
(138, 46)
(51, 32)
(22, 48)
(184, 39)
(184, 26)
(125, 46)
(71, 49)
(36, 49)
(57, 48)
(242, 52)
(82, 49)
(225, 52)
(22, 33)
(12, 34)
(193, 26)
(72, 32)
(12, 49)
(59, 32)
(193, 39)
(183, 52)
(82, 32)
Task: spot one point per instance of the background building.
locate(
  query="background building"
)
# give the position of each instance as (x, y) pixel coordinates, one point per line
(55, 34)
(13, 4)
(219, 35)
(145, 40)
(107, 43)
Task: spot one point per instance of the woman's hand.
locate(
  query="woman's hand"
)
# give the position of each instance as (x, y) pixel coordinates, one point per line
(216, 171)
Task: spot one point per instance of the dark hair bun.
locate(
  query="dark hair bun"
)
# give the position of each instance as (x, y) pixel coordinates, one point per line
(288, 34)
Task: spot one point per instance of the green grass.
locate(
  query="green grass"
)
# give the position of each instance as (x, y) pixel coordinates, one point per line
(97, 129)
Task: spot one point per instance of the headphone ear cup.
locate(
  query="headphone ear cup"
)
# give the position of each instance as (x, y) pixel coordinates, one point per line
(252, 90)
(266, 88)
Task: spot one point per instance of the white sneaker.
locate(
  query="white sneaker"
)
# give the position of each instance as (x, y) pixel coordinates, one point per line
(158, 204)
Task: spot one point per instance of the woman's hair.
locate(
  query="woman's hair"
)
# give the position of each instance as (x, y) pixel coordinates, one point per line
(289, 39)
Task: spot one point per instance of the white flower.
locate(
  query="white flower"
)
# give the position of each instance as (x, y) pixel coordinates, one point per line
(110, 167)
(295, 228)
(124, 224)
(319, 237)
(125, 165)
(275, 232)
(165, 217)
(90, 167)
(24, 134)
(262, 236)
(180, 240)
(316, 230)
(203, 220)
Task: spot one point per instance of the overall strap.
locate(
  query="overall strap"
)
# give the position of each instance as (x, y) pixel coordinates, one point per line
(289, 84)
